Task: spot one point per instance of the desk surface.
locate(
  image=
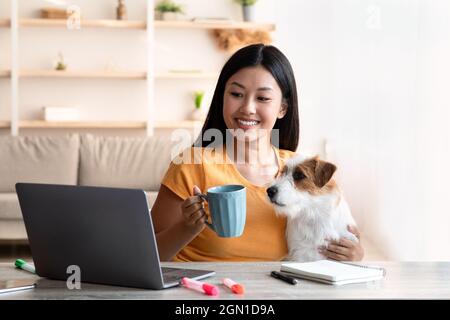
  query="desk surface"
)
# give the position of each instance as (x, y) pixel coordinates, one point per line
(404, 280)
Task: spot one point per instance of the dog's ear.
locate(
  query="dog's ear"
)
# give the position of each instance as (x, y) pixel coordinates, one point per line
(323, 172)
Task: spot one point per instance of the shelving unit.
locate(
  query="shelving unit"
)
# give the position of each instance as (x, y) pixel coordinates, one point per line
(148, 25)
(15, 74)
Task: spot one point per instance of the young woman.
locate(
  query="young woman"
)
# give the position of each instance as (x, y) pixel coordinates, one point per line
(255, 97)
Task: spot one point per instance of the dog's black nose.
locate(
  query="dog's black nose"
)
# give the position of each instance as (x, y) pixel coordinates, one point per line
(272, 191)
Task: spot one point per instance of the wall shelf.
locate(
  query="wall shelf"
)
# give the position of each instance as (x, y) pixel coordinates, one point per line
(41, 124)
(82, 74)
(130, 24)
(5, 73)
(214, 25)
(5, 23)
(5, 124)
(119, 24)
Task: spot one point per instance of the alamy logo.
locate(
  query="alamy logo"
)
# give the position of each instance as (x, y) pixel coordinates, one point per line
(215, 140)
(74, 280)
(373, 21)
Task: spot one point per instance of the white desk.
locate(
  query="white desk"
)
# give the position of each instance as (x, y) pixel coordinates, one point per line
(404, 280)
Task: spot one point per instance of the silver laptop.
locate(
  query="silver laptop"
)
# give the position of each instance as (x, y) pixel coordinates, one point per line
(106, 232)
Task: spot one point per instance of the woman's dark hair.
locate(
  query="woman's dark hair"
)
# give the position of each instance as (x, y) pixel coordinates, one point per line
(274, 61)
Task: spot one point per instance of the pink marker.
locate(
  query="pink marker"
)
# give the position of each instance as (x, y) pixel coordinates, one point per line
(199, 286)
(234, 286)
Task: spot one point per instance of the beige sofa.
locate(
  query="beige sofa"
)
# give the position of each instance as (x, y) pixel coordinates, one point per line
(77, 160)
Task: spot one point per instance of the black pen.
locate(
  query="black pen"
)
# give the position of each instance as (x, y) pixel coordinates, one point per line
(284, 277)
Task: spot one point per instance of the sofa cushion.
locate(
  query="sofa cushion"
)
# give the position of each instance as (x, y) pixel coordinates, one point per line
(13, 230)
(124, 162)
(9, 207)
(38, 159)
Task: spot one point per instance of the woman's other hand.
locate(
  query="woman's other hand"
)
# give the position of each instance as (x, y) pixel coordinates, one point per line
(344, 249)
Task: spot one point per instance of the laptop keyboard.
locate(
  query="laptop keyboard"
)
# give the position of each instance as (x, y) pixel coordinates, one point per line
(175, 274)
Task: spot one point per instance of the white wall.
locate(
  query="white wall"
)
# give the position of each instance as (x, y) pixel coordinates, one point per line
(388, 130)
(434, 138)
(303, 34)
(373, 82)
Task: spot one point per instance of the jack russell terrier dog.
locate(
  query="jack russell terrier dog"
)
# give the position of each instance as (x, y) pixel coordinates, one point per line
(316, 210)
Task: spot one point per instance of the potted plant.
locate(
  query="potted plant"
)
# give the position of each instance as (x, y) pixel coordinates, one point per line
(247, 9)
(197, 113)
(168, 10)
(60, 64)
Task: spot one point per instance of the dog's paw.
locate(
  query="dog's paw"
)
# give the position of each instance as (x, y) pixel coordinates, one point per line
(351, 236)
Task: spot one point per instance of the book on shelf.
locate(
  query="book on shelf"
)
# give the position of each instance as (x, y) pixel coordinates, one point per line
(61, 114)
(54, 13)
(333, 272)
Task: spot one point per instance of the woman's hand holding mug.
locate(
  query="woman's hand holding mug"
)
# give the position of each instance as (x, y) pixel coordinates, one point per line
(227, 206)
(194, 215)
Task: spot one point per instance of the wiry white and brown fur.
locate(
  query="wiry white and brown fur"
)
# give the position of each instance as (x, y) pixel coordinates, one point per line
(313, 204)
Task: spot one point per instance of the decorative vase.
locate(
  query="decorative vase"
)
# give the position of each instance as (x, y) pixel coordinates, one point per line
(248, 13)
(60, 64)
(168, 16)
(121, 11)
(197, 114)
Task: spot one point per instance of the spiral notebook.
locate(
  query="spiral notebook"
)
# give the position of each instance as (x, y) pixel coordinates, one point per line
(333, 272)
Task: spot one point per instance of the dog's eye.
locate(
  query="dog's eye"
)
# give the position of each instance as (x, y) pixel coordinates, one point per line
(298, 175)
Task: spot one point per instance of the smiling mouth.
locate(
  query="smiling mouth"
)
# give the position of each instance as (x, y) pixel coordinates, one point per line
(247, 122)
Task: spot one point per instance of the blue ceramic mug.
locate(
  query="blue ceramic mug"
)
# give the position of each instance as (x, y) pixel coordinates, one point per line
(227, 206)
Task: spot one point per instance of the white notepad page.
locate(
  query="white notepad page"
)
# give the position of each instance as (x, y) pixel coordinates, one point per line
(333, 271)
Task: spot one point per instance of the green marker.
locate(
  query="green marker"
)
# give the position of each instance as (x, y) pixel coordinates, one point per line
(22, 264)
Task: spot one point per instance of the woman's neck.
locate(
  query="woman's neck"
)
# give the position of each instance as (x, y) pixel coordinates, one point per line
(259, 152)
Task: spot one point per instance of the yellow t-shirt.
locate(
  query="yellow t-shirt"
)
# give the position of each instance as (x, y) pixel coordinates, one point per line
(263, 238)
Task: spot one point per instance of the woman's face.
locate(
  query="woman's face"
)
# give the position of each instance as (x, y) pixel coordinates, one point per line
(252, 101)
